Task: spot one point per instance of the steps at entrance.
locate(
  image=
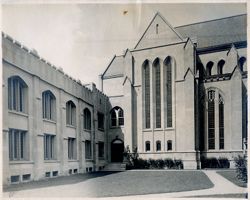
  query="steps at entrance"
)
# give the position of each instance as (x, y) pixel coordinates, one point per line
(115, 167)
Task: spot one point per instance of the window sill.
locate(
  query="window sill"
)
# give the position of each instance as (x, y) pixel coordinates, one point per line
(70, 126)
(14, 162)
(86, 130)
(50, 121)
(51, 161)
(99, 129)
(169, 129)
(115, 127)
(89, 159)
(73, 160)
(158, 129)
(147, 130)
(101, 158)
(18, 113)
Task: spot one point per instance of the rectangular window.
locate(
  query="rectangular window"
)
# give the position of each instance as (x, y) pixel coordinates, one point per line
(49, 147)
(47, 174)
(101, 150)
(72, 148)
(14, 179)
(100, 121)
(26, 177)
(17, 144)
(88, 149)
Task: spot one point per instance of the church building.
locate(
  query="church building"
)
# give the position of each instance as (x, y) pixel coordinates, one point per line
(180, 93)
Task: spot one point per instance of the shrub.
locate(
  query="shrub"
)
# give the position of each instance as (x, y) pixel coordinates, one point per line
(209, 162)
(141, 164)
(169, 163)
(178, 164)
(223, 163)
(160, 163)
(241, 168)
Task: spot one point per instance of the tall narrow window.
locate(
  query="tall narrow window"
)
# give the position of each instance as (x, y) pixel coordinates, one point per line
(117, 117)
(48, 100)
(157, 28)
(17, 144)
(71, 148)
(169, 145)
(49, 151)
(221, 122)
(158, 145)
(168, 91)
(17, 90)
(157, 73)
(87, 119)
(147, 146)
(242, 62)
(100, 118)
(101, 150)
(211, 119)
(221, 64)
(88, 149)
(209, 68)
(146, 84)
(70, 113)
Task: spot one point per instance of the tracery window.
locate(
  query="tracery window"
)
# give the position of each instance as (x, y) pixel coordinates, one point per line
(117, 117)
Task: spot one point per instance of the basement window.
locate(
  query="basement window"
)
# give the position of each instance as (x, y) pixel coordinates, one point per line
(14, 179)
(26, 177)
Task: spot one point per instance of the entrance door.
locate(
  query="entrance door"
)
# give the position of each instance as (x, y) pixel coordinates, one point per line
(117, 148)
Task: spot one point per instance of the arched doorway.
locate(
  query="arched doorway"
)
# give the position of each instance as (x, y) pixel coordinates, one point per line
(117, 148)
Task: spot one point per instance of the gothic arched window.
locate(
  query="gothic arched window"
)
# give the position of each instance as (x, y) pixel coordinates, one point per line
(146, 84)
(168, 90)
(49, 105)
(117, 117)
(209, 68)
(17, 94)
(87, 119)
(70, 113)
(220, 66)
(157, 91)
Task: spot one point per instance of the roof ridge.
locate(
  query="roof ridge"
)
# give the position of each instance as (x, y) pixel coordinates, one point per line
(210, 20)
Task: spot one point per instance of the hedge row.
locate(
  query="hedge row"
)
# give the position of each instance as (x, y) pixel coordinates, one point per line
(155, 164)
(214, 163)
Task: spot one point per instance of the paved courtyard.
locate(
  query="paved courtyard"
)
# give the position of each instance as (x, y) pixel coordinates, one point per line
(152, 183)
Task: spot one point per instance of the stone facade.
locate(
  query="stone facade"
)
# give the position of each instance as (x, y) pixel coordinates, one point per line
(195, 107)
(193, 49)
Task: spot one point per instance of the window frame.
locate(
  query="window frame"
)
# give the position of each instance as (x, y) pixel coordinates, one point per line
(17, 94)
(70, 113)
(72, 151)
(18, 145)
(49, 105)
(88, 149)
(87, 120)
(49, 146)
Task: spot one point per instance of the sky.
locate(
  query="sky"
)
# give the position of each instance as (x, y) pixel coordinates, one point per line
(83, 38)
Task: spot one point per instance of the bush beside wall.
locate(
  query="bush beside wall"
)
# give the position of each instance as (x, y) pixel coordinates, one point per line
(214, 163)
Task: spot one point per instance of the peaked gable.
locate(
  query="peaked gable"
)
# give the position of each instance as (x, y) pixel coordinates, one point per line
(159, 32)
